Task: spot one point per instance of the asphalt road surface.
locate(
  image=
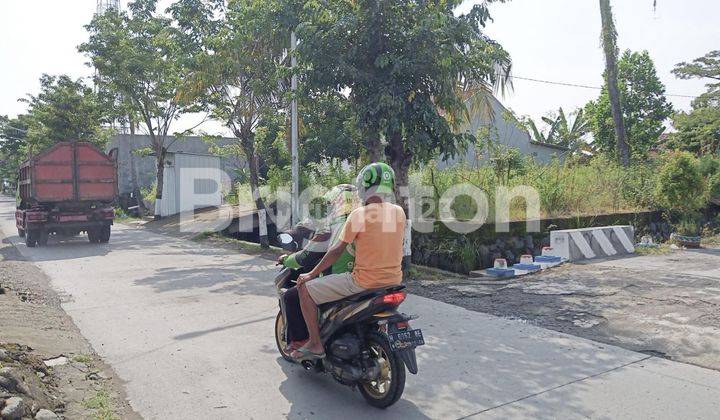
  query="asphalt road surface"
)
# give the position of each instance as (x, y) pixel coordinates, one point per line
(189, 329)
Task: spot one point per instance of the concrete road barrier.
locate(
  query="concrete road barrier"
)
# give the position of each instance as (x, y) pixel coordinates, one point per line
(587, 243)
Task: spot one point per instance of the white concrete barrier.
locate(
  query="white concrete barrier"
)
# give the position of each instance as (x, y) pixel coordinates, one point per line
(581, 244)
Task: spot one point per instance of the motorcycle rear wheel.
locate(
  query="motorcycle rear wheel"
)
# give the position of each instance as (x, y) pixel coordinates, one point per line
(280, 340)
(388, 389)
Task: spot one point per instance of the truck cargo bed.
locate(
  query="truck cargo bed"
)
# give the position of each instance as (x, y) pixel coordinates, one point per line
(68, 172)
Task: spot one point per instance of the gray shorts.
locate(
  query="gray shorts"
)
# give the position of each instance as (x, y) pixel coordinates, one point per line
(332, 287)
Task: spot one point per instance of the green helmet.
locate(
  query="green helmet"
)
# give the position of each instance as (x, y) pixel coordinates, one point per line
(379, 175)
(341, 200)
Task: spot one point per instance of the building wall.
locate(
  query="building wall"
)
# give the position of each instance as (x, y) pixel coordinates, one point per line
(177, 181)
(145, 166)
(508, 133)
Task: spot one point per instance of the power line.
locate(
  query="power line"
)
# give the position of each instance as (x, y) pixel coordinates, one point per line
(14, 128)
(550, 82)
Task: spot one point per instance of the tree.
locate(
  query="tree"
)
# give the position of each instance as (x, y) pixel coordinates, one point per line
(643, 102)
(407, 67)
(610, 48)
(698, 131)
(13, 145)
(65, 110)
(705, 67)
(562, 130)
(137, 56)
(238, 73)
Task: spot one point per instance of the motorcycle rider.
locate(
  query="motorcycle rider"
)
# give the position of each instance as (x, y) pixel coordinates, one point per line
(377, 230)
(341, 200)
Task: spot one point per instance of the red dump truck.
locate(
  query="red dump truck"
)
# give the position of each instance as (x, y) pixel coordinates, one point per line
(67, 189)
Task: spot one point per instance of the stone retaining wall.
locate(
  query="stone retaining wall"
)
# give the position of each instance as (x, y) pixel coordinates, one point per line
(462, 253)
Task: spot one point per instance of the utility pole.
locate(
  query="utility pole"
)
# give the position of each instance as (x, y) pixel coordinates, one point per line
(295, 195)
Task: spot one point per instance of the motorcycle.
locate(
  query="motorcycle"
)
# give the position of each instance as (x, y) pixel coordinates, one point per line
(368, 343)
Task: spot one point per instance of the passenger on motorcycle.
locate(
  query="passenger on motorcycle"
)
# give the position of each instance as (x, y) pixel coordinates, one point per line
(377, 230)
(340, 200)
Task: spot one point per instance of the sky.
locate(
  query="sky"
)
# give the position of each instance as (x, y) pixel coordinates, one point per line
(554, 40)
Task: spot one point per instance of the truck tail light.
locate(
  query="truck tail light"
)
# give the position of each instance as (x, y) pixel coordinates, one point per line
(36, 216)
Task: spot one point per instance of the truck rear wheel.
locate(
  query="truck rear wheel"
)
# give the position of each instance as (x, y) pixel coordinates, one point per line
(93, 235)
(104, 234)
(42, 238)
(31, 237)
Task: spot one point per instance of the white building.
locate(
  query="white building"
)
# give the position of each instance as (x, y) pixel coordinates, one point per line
(507, 131)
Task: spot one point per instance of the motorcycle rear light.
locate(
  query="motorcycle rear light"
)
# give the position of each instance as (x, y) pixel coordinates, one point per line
(402, 325)
(394, 299)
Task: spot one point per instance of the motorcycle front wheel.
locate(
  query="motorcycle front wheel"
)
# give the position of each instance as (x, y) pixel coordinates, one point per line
(388, 388)
(280, 337)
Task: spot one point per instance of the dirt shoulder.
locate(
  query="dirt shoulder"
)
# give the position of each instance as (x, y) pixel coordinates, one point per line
(666, 305)
(35, 332)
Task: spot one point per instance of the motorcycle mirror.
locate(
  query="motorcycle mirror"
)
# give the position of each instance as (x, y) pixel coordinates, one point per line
(285, 238)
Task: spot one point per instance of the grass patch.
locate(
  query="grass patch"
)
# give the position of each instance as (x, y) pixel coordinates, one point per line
(431, 273)
(711, 241)
(661, 249)
(102, 405)
(245, 246)
(83, 358)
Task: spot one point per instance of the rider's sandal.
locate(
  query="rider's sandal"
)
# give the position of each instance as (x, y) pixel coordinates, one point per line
(308, 355)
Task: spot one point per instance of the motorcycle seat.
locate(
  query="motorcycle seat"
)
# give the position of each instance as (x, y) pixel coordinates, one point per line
(367, 294)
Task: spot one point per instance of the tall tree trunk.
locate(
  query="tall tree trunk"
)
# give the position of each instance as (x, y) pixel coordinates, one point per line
(247, 142)
(609, 41)
(248, 146)
(136, 188)
(400, 160)
(372, 143)
(160, 176)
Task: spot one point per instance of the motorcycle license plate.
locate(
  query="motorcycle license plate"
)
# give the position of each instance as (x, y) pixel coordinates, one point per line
(406, 339)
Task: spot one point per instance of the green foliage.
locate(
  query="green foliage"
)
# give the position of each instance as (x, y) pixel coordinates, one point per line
(705, 67)
(149, 193)
(708, 165)
(698, 131)
(561, 131)
(65, 110)
(13, 144)
(506, 161)
(713, 187)
(236, 53)
(680, 185)
(408, 67)
(140, 62)
(688, 225)
(643, 103)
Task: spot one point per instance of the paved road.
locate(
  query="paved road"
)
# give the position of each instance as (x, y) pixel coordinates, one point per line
(189, 330)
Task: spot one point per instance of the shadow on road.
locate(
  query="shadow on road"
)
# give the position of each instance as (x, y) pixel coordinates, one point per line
(312, 395)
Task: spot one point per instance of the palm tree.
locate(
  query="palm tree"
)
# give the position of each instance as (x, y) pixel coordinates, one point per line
(570, 134)
(563, 131)
(609, 42)
(538, 135)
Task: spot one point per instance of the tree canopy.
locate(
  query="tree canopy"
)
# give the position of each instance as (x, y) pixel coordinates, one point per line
(408, 68)
(65, 110)
(705, 67)
(644, 106)
(138, 56)
(698, 131)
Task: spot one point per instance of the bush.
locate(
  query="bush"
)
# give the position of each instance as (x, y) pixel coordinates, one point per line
(714, 188)
(708, 166)
(680, 185)
(689, 225)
